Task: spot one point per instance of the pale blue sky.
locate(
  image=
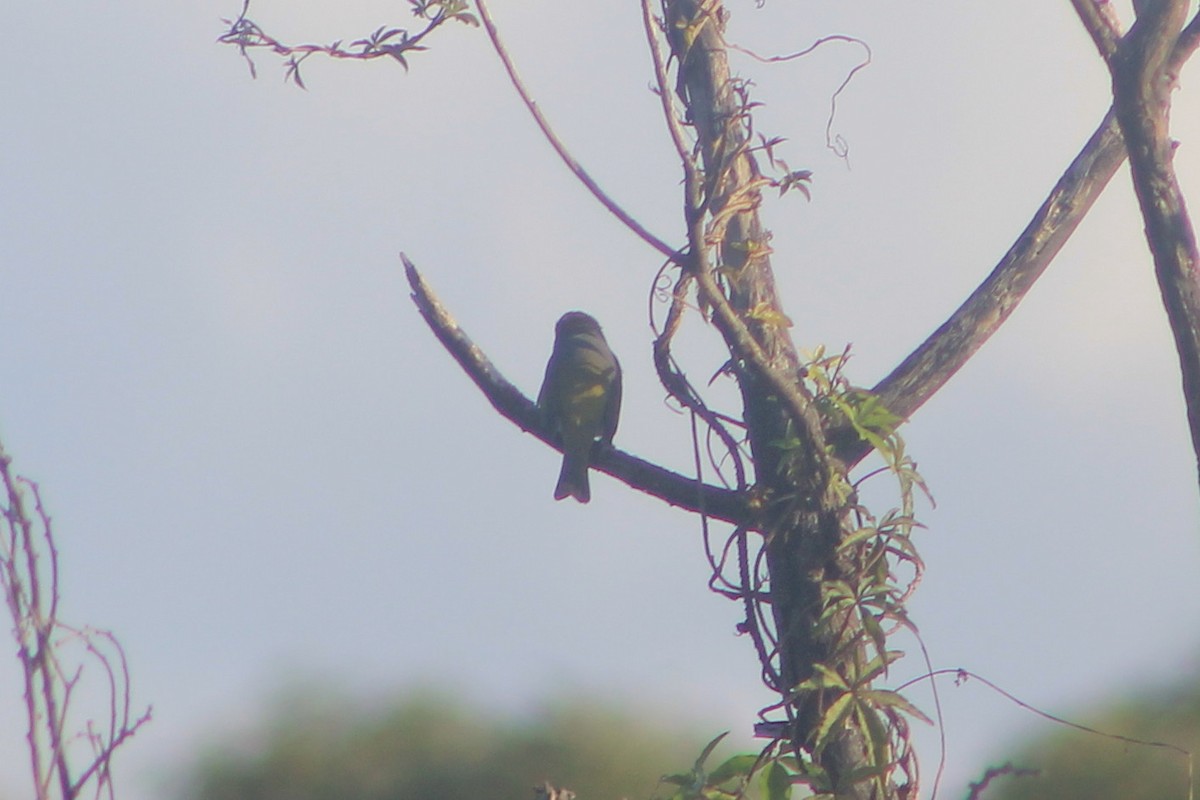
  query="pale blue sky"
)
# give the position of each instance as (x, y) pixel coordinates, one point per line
(263, 468)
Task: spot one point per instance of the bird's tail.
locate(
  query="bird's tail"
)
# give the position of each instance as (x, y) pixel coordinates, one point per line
(573, 480)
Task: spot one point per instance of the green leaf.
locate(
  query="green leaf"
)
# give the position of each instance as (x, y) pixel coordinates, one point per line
(878, 736)
(886, 698)
(837, 589)
(859, 535)
(828, 677)
(708, 748)
(814, 776)
(777, 782)
(878, 665)
(738, 766)
(874, 630)
(679, 779)
(837, 712)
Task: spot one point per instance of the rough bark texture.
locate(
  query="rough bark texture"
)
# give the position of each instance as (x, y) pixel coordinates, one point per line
(949, 347)
(804, 526)
(1142, 84)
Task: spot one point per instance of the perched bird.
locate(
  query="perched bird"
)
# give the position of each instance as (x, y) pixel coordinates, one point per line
(580, 398)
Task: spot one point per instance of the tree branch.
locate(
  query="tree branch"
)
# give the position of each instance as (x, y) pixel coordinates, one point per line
(947, 349)
(678, 490)
(1143, 79)
(1101, 23)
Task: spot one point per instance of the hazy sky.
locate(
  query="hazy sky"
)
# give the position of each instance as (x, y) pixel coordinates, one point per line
(263, 468)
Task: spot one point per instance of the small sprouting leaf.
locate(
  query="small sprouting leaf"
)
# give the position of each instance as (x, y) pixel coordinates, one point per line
(293, 71)
(798, 180)
(872, 412)
(770, 315)
(395, 53)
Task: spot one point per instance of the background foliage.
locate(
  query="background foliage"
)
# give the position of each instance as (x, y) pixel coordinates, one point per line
(1075, 766)
(314, 745)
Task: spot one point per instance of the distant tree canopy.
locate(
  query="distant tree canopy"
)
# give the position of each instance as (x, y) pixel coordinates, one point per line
(435, 746)
(318, 745)
(1075, 765)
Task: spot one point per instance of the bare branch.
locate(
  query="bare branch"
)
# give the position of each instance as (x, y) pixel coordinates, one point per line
(977, 788)
(674, 127)
(947, 349)
(50, 678)
(907, 387)
(678, 490)
(563, 153)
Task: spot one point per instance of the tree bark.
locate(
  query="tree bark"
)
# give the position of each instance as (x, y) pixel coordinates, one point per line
(804, 525)
(1142, 85)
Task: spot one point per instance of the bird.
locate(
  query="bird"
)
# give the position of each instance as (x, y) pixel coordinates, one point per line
(580, 398)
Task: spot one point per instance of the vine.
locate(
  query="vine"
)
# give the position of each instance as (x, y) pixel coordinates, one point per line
(723, 276)
(384, 42)
(860, 599)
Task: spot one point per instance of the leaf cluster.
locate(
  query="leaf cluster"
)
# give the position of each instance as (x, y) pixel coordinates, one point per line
(863, 600)
(734, 778)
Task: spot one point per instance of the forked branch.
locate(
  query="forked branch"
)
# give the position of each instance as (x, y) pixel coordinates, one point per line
(1144, 66)
(947, 349)
(29, 579)
(1143, 80)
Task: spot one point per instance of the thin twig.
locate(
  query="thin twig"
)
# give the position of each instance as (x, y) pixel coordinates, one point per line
(834, 143)
(741, 342)
(977, 787)
(962, 675)
(674, 128)
(563, 153)
(50, 680)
